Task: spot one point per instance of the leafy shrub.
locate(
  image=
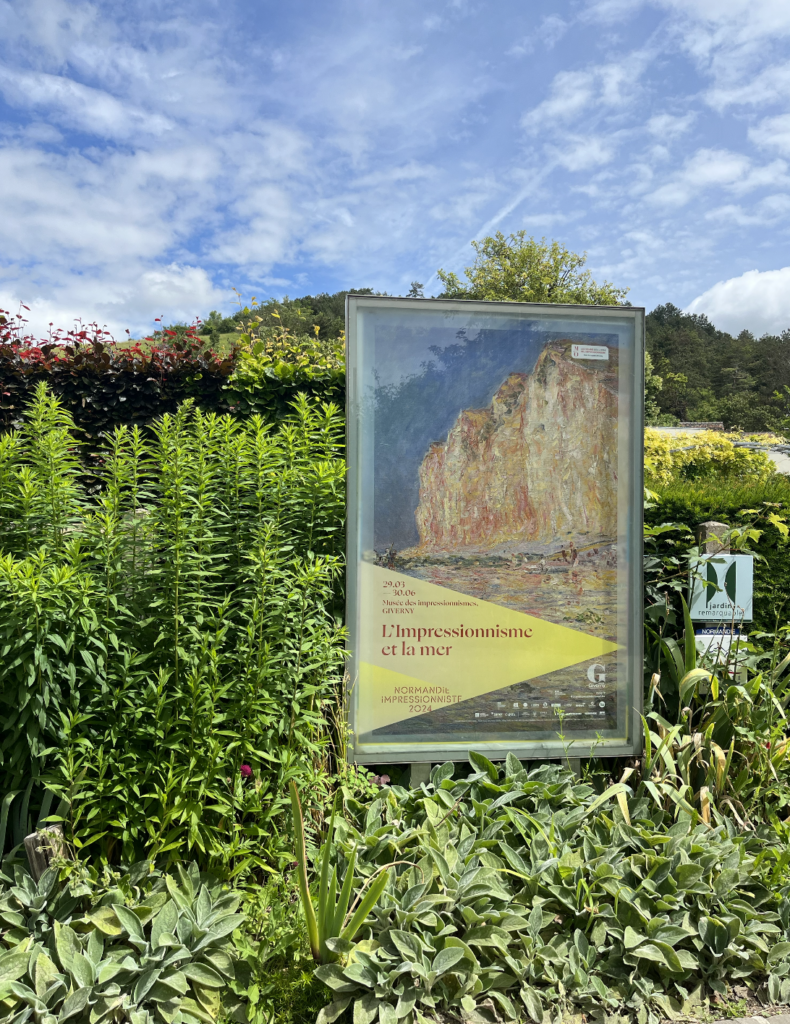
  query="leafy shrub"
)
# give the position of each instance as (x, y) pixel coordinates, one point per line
(280, 349)
(172, 651)
(324, 311)
(679, 507)
(274, 970)
(709, 453)
(528, 887)
(147, 948)
(104, 384)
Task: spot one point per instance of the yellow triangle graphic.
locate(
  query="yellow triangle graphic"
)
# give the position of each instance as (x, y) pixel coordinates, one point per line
(423, 647)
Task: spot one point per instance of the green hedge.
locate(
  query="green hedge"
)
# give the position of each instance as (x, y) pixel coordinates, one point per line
(695, 502)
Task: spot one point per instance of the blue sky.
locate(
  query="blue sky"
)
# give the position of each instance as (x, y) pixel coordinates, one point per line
(155, 156)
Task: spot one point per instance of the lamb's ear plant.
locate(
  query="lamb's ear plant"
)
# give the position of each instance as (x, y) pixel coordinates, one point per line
(331, 926)
(164, 959)
(531, 895)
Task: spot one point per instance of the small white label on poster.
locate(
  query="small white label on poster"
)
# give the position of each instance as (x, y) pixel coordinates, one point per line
(724, 593)
(590, 351)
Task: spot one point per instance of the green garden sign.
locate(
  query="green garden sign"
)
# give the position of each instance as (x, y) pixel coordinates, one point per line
(721, 589)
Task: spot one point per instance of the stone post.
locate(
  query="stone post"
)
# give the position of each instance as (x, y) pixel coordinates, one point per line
(707, 534)
(42, 847)
(419, 772)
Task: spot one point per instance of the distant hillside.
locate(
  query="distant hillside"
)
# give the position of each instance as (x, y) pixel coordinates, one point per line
(707, 374)
(324, 311)
(700, 373)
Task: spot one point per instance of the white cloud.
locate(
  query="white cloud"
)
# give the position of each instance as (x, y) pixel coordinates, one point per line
(734, 20)
(181, 292)
(708, 169)
(715, 167)
(611, 11)
(78, 106)
(118, 298)
(597, 89)
(739, 45)
(773, 133)
(548, 33)
(667, 127)
(583, 152)
(758, 301)
(770, 85)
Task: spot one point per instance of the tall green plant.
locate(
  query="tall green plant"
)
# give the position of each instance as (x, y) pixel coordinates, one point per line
(716, 730)
(167, 622)
(331, 926)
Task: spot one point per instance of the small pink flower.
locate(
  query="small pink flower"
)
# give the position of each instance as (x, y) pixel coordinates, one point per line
(246, 771)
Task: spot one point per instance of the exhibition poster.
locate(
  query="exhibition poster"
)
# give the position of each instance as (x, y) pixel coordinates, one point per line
(495, 528)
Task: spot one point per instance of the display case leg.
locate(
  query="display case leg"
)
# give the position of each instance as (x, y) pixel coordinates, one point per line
(575, 765)
(419, 772)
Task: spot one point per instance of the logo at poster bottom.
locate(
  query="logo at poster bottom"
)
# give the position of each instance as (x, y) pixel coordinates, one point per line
(423, 647)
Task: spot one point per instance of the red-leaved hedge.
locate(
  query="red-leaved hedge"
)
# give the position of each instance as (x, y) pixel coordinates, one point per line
(104, 383)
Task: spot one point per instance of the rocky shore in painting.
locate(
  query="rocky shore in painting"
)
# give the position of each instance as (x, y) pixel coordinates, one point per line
(532, 472)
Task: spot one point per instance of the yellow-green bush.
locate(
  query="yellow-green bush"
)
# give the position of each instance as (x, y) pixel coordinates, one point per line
(709, 453)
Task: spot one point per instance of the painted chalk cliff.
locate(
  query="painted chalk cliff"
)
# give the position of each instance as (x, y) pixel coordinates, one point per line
(531, 472)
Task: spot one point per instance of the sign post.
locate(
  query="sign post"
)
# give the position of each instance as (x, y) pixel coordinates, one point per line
(720, 599)
(495, 528)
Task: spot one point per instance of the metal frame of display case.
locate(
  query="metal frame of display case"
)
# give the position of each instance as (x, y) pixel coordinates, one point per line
(359, 464)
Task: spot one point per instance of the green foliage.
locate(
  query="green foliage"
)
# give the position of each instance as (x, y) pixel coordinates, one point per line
(680, 506)
(524, 270)
(331, 926)
(708, 375)
(716, 734)
(654, 385)
(274, 972)
(104, 384)
(530, 890)
(708, 453)
(171, 622)
(280, 350)
(324, 311)
(144, 947)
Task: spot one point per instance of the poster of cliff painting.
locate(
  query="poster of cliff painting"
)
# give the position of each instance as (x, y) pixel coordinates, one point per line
(494, 528)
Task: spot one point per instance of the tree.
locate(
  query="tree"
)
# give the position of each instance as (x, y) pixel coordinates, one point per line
(524, 270)
(654, 384)
(708, 374)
